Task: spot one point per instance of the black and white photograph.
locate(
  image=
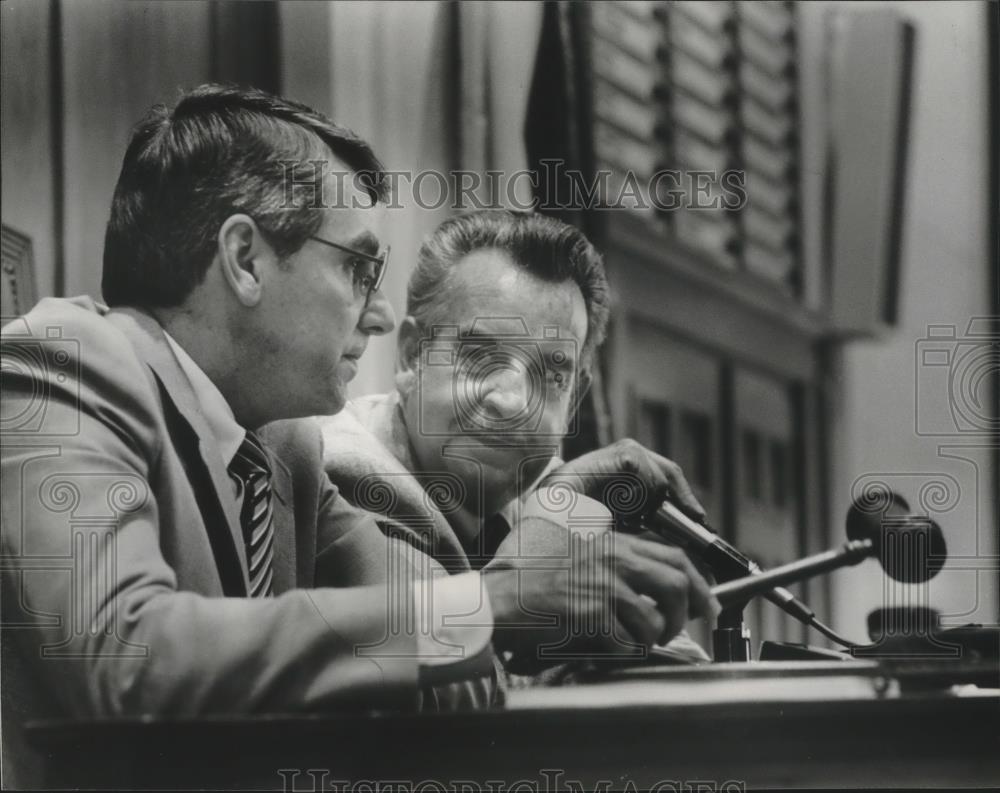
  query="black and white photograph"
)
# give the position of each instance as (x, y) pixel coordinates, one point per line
(500, 397)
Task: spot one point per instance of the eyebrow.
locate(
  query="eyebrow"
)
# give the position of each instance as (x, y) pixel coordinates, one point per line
(492, 328)
(491, 336)
(471, 331)
(366, 242)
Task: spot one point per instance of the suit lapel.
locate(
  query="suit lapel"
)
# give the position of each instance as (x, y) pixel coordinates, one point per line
(147, 338)
(284, 526)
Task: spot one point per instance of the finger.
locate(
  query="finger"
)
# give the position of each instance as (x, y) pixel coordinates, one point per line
(639, 615)
(654, 478)
(668, 588)
(699, 564)
(679, 486)
(655, 617)
(646, 482)
(702, 602)
(618, 621)
(631, 496)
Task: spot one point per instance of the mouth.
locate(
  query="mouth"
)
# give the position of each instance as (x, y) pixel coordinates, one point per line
(349, 361)
(501, 440)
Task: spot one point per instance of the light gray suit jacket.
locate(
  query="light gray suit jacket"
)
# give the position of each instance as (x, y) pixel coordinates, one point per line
(123, 560)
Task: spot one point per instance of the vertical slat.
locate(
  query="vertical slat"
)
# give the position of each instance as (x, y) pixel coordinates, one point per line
(27, 106)
(870, 78)
(56, 149)
(245, 44)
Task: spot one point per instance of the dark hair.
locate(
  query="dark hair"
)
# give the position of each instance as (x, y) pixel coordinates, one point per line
(547, 248)
(220, 151)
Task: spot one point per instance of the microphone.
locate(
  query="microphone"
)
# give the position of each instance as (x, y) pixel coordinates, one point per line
(910, 548)
(726, 562)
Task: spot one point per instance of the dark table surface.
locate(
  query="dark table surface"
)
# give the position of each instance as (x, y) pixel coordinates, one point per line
(781, 726)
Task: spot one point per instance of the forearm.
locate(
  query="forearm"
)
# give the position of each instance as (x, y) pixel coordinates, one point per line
(304, 650)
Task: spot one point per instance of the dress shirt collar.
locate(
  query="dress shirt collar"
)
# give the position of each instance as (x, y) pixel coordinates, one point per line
(214, 408)
(509, 511)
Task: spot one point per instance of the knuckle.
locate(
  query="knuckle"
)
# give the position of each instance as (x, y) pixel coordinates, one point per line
(676, 582)
(674, 555)
(628, 452)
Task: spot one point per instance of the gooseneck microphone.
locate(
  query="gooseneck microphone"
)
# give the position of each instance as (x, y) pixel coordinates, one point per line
(726, 562)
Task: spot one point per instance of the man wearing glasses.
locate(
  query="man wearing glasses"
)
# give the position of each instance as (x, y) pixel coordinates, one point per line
(167, 524)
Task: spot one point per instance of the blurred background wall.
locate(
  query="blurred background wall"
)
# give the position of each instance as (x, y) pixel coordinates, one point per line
(786, 354)
(885, 401)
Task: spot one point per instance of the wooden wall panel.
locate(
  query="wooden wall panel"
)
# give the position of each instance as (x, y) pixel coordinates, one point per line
(26, 132)
(119, 58)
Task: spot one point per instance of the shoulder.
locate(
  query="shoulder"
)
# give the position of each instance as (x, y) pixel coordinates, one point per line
(372, 409)
(64, 360)
(71, 336)
(362, 429)
(54, 317)
(343, 431)
(365, 415)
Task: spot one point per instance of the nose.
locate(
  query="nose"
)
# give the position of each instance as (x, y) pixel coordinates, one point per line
(506, 391)
(378, 318)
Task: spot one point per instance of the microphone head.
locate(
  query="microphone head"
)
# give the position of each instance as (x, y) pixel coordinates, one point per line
(911, 548)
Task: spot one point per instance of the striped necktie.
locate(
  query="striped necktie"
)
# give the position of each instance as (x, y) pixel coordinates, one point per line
(252, 474)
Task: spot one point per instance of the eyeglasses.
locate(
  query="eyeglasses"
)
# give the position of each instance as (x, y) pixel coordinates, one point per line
(368, 272)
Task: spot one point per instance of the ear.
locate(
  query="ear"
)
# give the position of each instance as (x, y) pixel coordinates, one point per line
(408, 345)
(407, 355)
(242, 253)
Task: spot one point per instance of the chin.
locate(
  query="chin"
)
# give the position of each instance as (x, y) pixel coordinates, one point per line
(335, 405)
(328, 401)
(496, 469)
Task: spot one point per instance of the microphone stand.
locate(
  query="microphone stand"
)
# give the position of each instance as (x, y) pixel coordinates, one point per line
(736, 593)
(731, 636)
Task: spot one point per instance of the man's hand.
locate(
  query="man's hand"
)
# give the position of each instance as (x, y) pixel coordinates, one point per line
(629, 479)
(610, 594)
